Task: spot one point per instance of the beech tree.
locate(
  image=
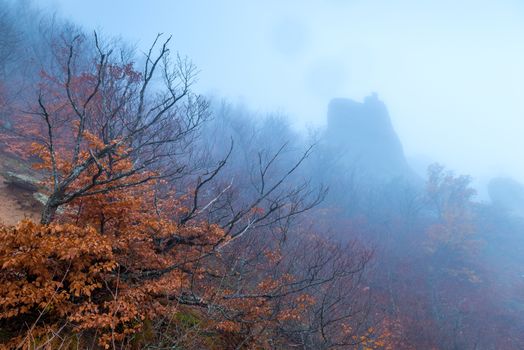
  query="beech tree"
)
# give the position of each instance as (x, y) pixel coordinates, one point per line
(99, 112)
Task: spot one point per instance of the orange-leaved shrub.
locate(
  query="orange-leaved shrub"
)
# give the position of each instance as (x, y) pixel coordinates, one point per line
(49, 276)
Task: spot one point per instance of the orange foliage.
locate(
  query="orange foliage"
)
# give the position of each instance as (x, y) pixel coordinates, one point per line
(51, 273)
(451, 196)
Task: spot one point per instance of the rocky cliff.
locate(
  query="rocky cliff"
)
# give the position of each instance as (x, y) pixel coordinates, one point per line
(362, 135)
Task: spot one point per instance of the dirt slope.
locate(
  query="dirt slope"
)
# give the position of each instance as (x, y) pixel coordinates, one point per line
(15, 204)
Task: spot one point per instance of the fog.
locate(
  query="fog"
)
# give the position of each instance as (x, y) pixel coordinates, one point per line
(271, 175)
(449, 72)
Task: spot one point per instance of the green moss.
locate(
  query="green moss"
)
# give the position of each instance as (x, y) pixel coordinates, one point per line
(145, 336)
(186, 319)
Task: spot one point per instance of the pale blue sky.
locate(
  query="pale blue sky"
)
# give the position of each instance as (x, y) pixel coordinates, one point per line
(451, 72)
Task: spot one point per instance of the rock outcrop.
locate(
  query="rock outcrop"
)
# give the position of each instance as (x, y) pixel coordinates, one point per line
(364, 138)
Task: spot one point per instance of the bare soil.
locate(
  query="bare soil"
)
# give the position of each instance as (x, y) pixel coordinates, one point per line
(16, 204)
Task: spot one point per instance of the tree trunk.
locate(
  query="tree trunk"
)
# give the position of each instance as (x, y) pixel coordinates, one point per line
(48, 213)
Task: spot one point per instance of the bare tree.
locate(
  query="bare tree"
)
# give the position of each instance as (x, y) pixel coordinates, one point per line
(134, 121)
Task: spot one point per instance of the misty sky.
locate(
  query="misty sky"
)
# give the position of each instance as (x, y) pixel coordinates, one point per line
(451, 72)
